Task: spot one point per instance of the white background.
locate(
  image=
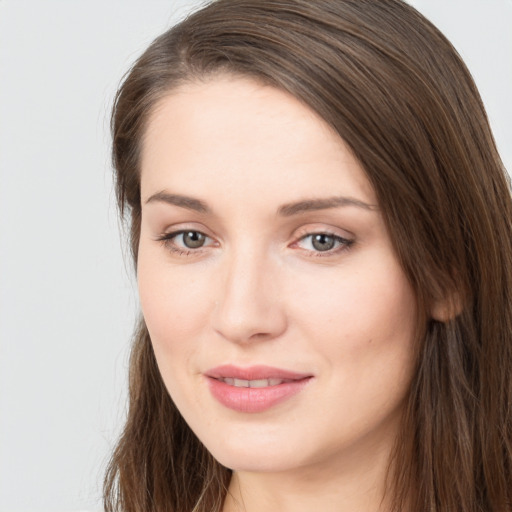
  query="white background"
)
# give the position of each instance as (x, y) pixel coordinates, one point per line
(67, 298)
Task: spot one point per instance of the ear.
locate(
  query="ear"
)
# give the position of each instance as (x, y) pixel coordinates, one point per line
(447, 308)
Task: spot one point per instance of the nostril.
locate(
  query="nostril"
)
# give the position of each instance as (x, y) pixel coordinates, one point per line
(246, 308)
(254, 327)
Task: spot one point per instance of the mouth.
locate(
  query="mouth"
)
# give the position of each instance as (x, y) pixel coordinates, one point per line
(258, 383)
(254, 389)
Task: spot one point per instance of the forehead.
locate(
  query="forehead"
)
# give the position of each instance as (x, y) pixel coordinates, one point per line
(249, 137)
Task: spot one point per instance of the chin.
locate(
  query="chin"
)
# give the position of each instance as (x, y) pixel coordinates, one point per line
(256, 453)
(253, 462)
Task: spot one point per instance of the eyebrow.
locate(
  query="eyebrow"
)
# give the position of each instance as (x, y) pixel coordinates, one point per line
(178, 200)
(286, 210)
(309, 205)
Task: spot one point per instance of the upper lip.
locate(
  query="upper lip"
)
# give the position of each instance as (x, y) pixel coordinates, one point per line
(257, 372)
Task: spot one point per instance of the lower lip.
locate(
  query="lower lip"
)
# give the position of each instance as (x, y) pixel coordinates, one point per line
(252, 400)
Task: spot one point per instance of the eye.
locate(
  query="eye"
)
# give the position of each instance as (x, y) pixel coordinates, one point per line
(192, 239)
(324, 243)
(185, 241)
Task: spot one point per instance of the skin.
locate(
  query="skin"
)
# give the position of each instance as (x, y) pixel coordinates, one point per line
(260, 292)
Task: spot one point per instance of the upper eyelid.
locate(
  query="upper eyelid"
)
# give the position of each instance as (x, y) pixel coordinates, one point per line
(173, 234)
(339, 238)
(328, 233)
(174, 231)
(305, 231)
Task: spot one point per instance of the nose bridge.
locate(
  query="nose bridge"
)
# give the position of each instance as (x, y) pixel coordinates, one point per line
(248, 305)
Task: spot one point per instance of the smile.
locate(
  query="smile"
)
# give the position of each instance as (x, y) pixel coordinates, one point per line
(255, 389)
(260, 383)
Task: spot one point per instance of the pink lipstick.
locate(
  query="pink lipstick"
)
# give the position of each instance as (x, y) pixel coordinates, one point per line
(254, 389)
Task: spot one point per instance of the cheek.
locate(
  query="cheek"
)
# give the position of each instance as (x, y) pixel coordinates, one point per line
(175, 307)
(174, 301)
(373, 306)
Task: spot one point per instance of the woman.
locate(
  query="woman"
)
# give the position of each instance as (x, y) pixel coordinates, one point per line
(322, 231)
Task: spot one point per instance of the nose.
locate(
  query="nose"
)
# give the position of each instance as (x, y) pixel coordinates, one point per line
(249, 306)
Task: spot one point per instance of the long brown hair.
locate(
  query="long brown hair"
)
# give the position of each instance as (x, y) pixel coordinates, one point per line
(397, 92)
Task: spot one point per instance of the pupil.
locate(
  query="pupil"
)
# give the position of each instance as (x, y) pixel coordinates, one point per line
(193, 239)
(323, 242)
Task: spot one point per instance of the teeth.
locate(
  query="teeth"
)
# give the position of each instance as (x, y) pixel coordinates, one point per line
(276, 382)
(260, 383)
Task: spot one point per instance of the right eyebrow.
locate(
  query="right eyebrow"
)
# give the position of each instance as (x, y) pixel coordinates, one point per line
(190, 203)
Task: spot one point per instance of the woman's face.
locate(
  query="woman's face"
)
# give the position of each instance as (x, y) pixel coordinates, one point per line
(281, 320)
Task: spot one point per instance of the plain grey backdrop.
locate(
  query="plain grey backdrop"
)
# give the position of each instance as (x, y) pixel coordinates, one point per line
(67, 296)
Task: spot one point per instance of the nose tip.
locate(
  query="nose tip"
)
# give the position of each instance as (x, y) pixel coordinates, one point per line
(242, 328)
(249, 308)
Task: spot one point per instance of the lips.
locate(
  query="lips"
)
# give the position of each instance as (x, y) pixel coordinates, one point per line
(257, 383)
(254, 389)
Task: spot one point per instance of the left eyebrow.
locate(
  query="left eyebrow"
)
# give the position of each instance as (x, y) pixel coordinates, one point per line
(309, 205)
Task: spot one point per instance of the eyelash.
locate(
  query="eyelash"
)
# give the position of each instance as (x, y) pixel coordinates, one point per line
(341, 244)
(168, 240)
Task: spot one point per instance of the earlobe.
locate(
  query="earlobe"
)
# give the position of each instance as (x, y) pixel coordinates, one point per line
(448, 308)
